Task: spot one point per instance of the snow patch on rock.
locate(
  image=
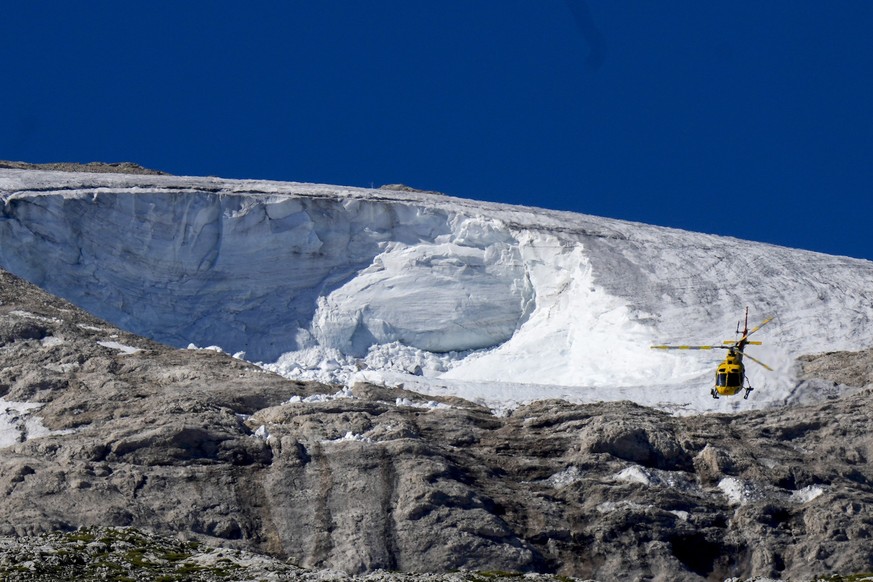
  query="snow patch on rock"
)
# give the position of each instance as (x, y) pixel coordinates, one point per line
(350, 437)
(18, 423)
(656, 477)
(807, 494)
(568, 476)
(123, 348)
(345, 392)
(741, 491)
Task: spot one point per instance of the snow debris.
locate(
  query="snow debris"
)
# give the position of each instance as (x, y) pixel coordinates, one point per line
(740, 492)
(430, 404)
(124, 349)
(91, 327)
(345, 392)
(636, 474)
(262, 433)
(657, 477)
(736, 490)
(566, 477)
(51, 341)
(382, 361)
(28, 315)
(207, 348)
(17, 423)
(807, 494)
(350, 436)
(683, 515)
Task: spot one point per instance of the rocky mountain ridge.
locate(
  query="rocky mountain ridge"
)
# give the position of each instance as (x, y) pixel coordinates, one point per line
(105, 428)
(91, 167)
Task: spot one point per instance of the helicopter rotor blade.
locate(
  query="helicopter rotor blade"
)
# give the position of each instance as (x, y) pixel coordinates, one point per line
(757, 361)
(688, 347)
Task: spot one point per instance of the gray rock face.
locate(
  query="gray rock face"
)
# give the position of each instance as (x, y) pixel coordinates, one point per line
(91, 167)
(196, 444)
(840, 368)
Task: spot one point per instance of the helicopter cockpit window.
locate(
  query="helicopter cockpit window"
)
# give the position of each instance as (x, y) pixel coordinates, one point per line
(731, 379)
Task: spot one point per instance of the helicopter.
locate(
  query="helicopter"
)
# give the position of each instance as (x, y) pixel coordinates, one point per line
(730, 376)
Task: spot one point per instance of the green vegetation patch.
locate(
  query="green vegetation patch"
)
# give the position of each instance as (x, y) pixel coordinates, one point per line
(490, 576)
(116, 554)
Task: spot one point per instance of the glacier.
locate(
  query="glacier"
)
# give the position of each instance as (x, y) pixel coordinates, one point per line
(495, 303)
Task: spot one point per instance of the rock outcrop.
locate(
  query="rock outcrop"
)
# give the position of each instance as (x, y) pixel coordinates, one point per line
(104, 428)
(90, 167)
(101, 553)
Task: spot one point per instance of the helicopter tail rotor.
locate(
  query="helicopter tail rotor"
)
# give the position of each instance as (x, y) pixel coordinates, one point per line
(746, 334)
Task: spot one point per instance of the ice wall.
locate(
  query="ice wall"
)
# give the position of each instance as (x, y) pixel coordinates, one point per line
(267, 273)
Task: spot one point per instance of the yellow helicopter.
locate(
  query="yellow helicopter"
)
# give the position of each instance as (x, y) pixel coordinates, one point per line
(730, 376)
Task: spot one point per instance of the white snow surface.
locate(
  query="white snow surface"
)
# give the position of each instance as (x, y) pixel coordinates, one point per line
(741, 491)
(495, 303)
(807, 494)
(18, 423)
(123, 348)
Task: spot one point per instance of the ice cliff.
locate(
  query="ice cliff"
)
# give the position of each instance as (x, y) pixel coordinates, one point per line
(494, 302)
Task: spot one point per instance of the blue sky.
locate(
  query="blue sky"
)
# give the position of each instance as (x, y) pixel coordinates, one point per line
(744, 118)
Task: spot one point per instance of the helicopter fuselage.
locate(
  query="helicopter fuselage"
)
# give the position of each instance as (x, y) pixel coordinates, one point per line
(730, 374)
